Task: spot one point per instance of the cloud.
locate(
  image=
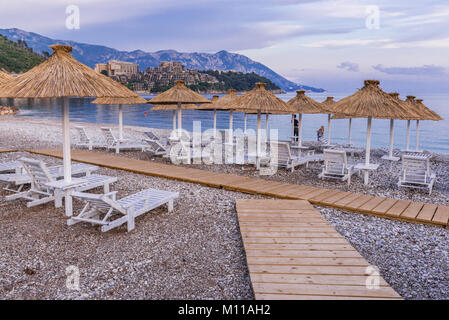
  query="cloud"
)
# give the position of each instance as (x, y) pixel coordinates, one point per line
(349, 66)
(426, 70)
(347, 43)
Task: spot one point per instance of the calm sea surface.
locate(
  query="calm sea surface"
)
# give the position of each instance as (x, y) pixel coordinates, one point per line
(434, 136)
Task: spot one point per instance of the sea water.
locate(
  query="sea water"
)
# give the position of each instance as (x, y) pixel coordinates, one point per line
(433, 136)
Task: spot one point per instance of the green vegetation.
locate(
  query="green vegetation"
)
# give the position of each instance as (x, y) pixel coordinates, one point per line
(17, 56)
(227, 80)
(238, 80)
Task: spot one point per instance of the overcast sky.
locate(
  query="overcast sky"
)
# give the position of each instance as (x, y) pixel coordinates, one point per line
(325, 43)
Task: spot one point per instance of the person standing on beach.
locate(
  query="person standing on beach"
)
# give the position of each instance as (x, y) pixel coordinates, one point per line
(320, 133)
(295, 128)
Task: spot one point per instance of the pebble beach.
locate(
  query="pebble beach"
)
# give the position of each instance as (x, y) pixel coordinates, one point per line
(196, 251)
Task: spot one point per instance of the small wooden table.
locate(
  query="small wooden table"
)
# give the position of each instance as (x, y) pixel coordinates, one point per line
(366, 168)
(62, 186)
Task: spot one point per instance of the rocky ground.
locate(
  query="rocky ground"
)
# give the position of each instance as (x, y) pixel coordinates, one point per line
(195, 252)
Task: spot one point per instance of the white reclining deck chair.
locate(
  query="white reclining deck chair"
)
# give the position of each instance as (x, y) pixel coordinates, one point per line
(41, 193)
(105, 210)
(416, 173)
(11, 166)
(284, 155)
(113, 143)
(57, 172)
(85, 141)
(336, 166)
(156, 148)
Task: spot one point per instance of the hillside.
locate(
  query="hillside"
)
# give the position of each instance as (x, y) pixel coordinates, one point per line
(92, 54)
(17, 56)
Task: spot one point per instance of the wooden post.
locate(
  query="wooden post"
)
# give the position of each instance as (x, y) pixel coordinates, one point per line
(174, 120)
(66, 140)
(300, 129)
(329, 129)
(407, 143)
(390, 154)
(350, 131)
(417, 135)
(267, 127)
(368, 149)
(244, 122)
(179, 120)
(120, 122)
(215, 122)
(231, 121)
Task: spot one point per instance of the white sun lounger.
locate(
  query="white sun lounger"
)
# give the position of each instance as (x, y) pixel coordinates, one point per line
(85, 141)
(21, 179)
(156, 148)
(113, 143)
(416, 173)
(41, 193)
(11, 166)
(336, 166)
(105, 210)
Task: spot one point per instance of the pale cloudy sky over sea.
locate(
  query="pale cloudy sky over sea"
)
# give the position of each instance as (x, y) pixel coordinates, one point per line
(323, 43)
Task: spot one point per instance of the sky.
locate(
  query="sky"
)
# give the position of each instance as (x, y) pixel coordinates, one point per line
(333, 44)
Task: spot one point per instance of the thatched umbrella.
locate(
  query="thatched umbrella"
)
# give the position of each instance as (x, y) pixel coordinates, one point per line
(4, 77)
(424, 114)
(371, 102)
(61, 76)
(209, 107)
(327, 104)
(260, 101)
(120, 102)
(177, 98)
(303, 104)
(222, 104)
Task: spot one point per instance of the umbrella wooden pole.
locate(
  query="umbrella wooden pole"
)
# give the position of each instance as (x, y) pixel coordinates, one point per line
(244, 122)
(300, 129)
(417, 135)
(231, 121)
(293, 128)
(329, 129)
(350, 131)
(368, 149)
(267, 124)
(407, 143)
(174, 120)
(66, 156)
(215, 122)
(390, 153)
(66, 141)
(179, 119)
(120, 122)
(258, 140)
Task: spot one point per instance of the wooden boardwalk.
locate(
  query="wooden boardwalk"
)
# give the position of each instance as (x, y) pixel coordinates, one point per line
(294, 253)
(432, 214)
(2, 150)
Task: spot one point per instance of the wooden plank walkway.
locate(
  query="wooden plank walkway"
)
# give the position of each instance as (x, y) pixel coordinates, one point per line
(2, 150)
(294, 253)
(436, 215)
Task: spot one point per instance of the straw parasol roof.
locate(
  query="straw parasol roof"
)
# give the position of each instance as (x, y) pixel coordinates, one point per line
(62, 76)
(372, 101)
(209, 106)
(4, 77)
(113, 100)
(259, 99)
(305, 105)
(179, 93)
(419, 108)
(221, 103)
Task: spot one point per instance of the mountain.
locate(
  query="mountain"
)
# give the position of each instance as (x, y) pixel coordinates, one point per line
(16, 56)
(92, 54)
